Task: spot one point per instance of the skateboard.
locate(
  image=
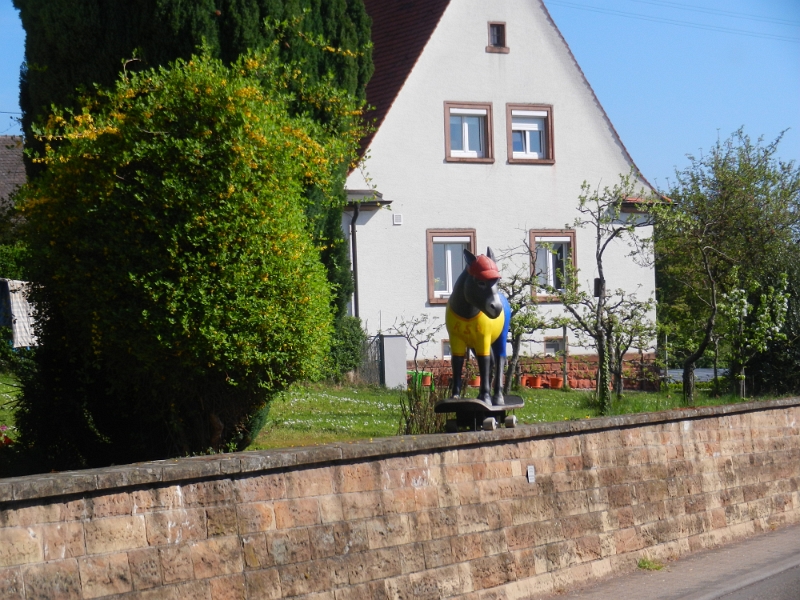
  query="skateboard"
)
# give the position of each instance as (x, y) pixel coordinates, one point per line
(473, 414)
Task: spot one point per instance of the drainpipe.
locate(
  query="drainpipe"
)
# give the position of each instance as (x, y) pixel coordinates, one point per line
(354, 252)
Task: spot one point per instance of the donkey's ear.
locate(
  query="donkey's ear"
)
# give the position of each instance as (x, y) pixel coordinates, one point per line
(469, 257)
(490, 254)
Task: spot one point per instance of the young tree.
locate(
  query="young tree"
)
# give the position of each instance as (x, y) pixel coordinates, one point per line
(628, 326)
(731, 223)
(601, 210)
(749, 327)
(520, 289)
(176, 280)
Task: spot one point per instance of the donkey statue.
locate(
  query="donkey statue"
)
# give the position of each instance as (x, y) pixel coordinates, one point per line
(478, 317)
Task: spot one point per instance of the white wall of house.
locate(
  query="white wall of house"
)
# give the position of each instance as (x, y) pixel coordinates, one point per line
(501, 201)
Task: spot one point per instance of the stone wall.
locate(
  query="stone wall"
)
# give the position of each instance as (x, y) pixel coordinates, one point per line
(488, 515)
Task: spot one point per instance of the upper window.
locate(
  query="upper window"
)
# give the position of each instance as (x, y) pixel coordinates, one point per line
(529, 129)
(468, 132)
(497, 38)
(552, 253)
(446, 260)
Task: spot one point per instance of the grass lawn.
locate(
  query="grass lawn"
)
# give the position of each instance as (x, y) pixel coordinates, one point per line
(311, 414)
(318, 414)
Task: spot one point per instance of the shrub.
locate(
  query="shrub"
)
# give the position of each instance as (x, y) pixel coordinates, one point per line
(347, 346)
(177, 284)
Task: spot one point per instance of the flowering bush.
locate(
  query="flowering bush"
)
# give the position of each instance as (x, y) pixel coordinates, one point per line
(177, 283)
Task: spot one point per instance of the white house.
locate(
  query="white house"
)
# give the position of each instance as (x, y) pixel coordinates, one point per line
(486, 128)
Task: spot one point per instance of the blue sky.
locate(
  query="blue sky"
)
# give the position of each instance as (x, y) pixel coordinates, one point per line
(673, 75)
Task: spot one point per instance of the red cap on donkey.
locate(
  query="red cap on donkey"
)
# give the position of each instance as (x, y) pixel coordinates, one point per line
(484, 268)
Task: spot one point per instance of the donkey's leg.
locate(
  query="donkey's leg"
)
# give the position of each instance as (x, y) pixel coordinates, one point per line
(458, 363)
(497, 391)
(485, 370)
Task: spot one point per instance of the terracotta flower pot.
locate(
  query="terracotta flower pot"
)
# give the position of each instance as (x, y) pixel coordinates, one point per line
(556, 383)
(474, 382)
(426, 380)
(535, 381)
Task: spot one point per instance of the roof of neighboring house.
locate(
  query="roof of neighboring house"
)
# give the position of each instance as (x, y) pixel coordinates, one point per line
(400, 31)
(12, 169)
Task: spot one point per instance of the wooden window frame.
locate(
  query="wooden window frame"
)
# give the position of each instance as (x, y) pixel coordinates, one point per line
(533, 234)
(488, 156)
(549, 138)
(504, 49)
(429, 235)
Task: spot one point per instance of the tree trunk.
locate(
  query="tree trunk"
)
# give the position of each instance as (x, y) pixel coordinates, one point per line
(716, 366)
(603, 391)
(511, 367)
(688, 383)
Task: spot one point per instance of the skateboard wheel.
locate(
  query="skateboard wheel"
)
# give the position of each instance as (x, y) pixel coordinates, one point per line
(511, 421)
(451, 426)
(489, 424)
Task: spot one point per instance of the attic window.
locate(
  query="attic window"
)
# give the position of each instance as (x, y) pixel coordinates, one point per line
(497, 38)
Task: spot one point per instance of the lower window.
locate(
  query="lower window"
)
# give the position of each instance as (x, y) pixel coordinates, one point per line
(552, 252)
(446, 260)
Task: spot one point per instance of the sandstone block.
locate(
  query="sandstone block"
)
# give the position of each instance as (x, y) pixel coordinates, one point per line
(323, 541)
(358, 477)
(58, 580)
(264, 584)
(260, 488)
(145, 568)
(221, 520)
(105, 575)
(402, 500)
(350, 537)
(109, 505)
(228, 587)
(492, 571)
(287, 547)
(115, 534)
(296, 513)
(19, 546)
(443, 522)
(330, 509)
(304, 578)
(361, 505)
(372, 565)
(254, 517)
(309, 482)
(63, 540)
(373, 590)
(217, 556)
(208, 493)
(412, 558)
(159, 498)
(11, 586)
(175, 526)
(391, 530)
(176, 563)
(466, 547)
(437, 553)
(254, 551)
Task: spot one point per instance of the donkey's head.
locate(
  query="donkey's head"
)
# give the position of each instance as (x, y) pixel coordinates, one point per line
(480, 286)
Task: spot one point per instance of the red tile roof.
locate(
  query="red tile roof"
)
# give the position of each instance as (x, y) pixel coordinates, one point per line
(400, 31)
